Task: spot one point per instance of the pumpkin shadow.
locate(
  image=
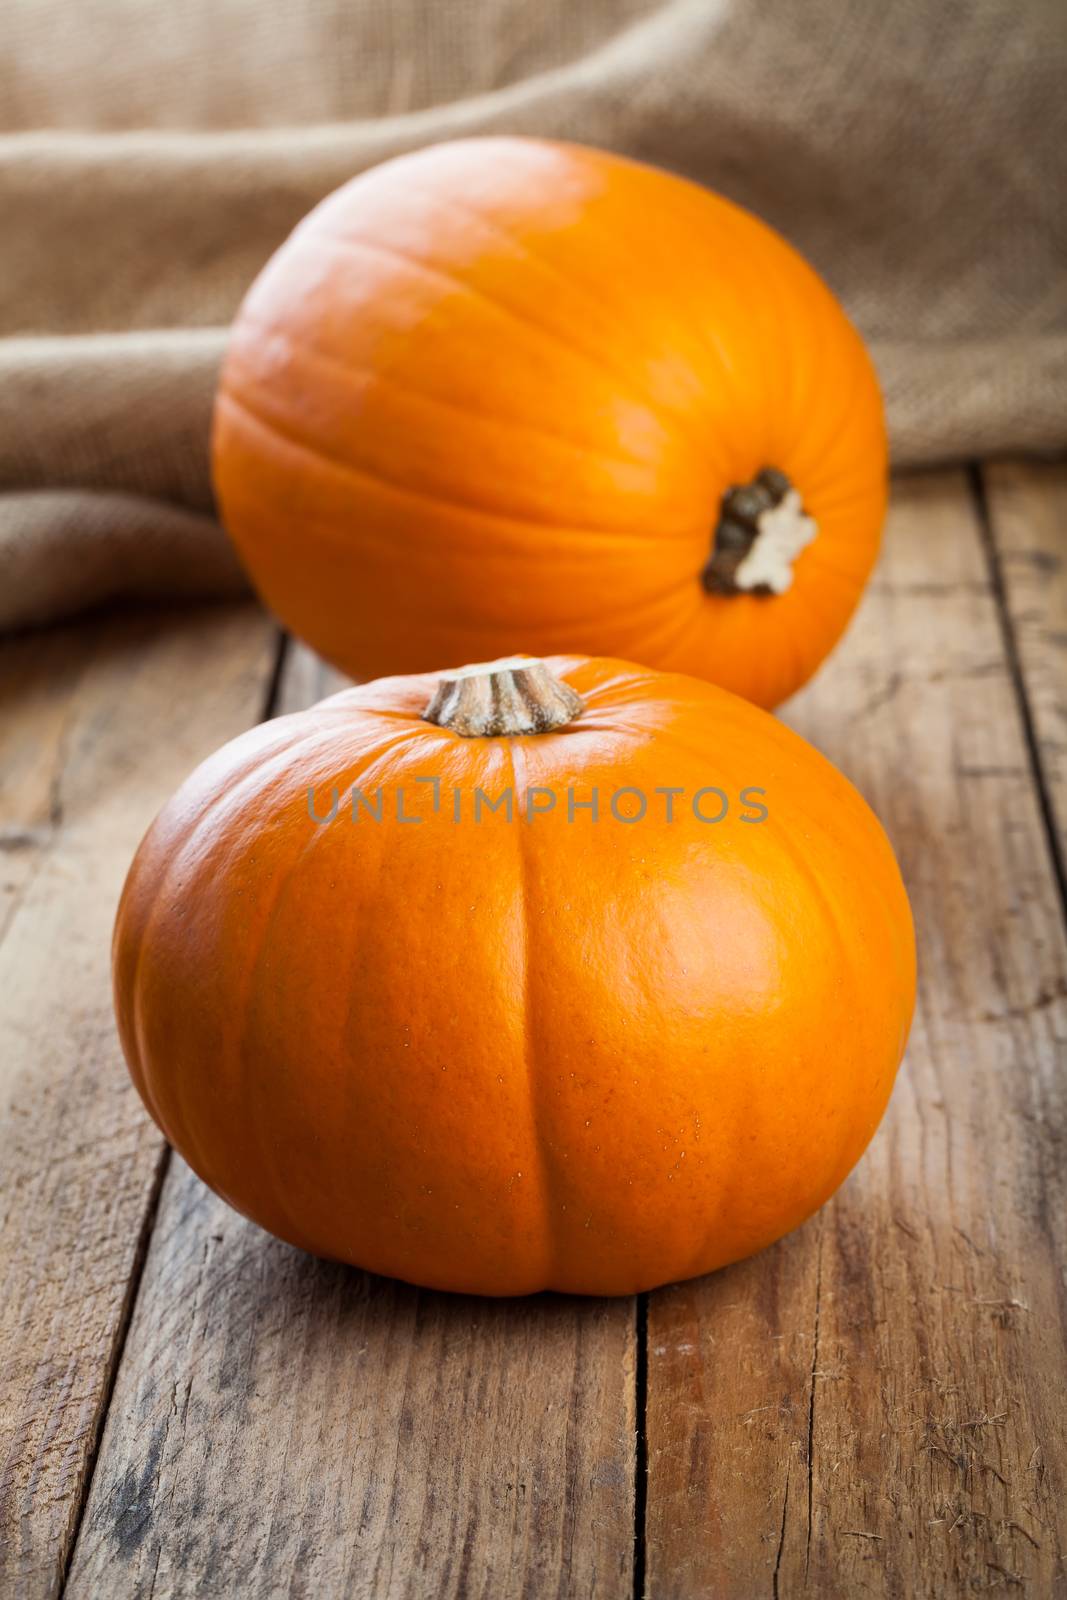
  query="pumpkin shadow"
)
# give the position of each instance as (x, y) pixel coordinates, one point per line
(257, 1296)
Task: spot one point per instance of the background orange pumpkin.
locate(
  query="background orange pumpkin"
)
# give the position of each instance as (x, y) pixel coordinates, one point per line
(503, 1055)
(495, 396)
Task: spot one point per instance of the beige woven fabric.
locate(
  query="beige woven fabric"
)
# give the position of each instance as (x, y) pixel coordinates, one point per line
(153, 155)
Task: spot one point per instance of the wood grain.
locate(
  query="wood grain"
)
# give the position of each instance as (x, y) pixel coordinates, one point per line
(1027, 504)
(99, 722)
(285, 1426)
(876, 1405)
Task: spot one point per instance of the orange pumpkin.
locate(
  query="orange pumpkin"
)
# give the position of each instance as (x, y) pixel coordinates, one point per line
(497, 1045)
(505, 394)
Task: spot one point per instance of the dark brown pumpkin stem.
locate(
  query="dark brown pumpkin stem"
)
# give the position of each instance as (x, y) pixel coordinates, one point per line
(517, 695)
(761, 530)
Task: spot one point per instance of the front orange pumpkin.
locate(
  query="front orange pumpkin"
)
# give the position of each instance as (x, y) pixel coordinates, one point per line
(505, 394)
(629, 1024)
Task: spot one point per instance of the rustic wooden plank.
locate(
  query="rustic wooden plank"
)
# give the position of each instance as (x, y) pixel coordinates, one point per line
(1027, 506)
(99, 722)
(282, 1425)
(875, 1406)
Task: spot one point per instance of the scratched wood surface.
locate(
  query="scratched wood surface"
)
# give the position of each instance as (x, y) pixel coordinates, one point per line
(99, 723)
(876, 1406)
(873, 1407)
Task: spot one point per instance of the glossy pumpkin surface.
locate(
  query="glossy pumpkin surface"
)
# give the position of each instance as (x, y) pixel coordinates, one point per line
(491, 396)
(592, 1054)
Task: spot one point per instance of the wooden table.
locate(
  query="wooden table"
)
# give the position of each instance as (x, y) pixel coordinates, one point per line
(875, 1406)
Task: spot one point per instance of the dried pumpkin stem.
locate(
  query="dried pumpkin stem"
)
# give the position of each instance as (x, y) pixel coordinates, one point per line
(516, 695)
(761, 531)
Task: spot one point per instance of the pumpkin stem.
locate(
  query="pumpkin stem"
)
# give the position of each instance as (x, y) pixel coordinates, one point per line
(762, 529)
(516, 695)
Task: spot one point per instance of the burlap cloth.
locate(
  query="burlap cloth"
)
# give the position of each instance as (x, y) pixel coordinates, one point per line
(153, 155)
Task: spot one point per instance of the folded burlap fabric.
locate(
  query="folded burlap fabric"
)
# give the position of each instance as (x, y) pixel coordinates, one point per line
(153, 157)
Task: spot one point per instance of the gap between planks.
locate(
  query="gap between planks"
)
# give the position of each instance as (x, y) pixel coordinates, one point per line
(1022, 511)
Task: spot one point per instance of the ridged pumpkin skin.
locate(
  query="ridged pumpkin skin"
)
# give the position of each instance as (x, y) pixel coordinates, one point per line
(508, 1055)
(490, 396)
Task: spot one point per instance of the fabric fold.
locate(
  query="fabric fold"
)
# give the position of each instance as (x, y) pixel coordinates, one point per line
(913, 153)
